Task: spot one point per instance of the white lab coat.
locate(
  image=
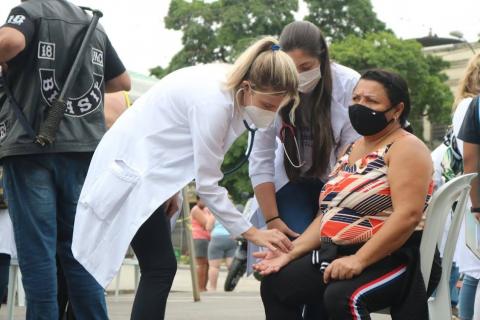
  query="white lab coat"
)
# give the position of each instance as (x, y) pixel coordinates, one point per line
(267, 158)
(178, 131)
(7, 242)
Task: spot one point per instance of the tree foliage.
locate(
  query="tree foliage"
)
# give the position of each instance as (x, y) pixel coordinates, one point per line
(429, 94)
(220, 30)
(341, 18)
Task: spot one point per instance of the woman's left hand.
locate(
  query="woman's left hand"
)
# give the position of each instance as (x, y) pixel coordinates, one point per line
(343, 268)
(272, 261)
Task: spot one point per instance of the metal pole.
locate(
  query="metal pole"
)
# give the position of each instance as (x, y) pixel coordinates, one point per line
(191, 247)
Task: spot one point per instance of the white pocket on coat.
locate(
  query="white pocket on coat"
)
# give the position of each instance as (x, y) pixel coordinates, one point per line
(109, 192)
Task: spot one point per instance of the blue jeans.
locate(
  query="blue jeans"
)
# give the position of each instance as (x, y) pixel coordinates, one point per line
(454, 275)
(4, 271)
(466, 300)
(42, 193)
(297, 204)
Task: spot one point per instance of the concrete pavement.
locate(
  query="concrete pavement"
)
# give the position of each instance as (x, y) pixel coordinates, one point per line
(243, 303)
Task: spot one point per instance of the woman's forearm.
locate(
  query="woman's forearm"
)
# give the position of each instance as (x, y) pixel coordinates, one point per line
(308, 241)
(265, 194)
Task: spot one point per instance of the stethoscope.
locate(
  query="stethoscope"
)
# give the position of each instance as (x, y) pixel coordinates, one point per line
(251, 139)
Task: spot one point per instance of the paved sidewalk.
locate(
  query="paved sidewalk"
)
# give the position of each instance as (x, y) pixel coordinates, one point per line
(243, 303)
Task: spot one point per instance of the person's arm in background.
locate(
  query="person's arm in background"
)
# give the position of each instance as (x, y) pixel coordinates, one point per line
(470, 135)
(471, 163)
(116, 76)
(15, 35)
(200, 216)
(262, 175)
(115, 104)
(210, 224)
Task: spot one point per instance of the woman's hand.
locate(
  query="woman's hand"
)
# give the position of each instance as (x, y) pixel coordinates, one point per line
(171, 206)
(271, 239)
(343, 268)
(282, 227)
(271, 262)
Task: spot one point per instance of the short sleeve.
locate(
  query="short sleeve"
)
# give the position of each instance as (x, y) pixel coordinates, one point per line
(470, 130)
(19, 20)
(113, 65)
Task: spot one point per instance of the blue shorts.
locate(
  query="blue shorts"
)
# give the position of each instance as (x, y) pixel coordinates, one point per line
(221, 247)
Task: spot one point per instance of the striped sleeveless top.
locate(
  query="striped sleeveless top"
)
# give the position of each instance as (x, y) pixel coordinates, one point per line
(356, 200)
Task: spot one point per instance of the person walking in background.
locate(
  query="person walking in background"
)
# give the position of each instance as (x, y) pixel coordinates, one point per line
(202, 223)
(470, 135)
(465, 128)
(221, 248)
(42, 184)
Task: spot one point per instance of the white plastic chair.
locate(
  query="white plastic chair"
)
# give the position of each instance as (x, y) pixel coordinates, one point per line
(14, 286)
(456, 190)
(128, 262)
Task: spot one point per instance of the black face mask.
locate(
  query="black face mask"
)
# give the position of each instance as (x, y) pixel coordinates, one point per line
(366, 121)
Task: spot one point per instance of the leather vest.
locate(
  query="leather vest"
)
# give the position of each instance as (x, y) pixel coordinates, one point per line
(37, 74)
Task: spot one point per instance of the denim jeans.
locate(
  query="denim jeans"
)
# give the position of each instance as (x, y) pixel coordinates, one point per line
(466, 298)
(4, 270)
(42, 193)
(454, 275)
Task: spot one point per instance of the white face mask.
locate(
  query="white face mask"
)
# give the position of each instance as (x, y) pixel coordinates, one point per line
(261, 118)
(307, 80)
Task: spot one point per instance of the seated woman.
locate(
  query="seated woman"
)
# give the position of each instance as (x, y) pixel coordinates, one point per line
(361, 253)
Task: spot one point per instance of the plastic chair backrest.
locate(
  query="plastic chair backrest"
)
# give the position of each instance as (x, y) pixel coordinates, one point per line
(456, 190)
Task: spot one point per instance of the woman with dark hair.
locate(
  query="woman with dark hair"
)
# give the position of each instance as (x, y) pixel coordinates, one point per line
(361, 253)
(307, 139)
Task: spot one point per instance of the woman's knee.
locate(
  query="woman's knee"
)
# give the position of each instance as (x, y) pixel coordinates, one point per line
(336, 299)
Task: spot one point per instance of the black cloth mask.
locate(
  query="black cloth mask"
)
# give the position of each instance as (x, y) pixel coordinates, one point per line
(366, 121)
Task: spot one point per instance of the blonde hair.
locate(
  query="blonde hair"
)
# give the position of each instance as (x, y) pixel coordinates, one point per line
(470, 83)
(267, 68)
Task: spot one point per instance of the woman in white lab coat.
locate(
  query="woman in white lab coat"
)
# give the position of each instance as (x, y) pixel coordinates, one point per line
(291, 160)
(305, 142)
(178, 131)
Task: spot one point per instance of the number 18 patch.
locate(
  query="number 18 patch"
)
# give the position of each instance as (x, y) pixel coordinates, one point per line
(46, 50)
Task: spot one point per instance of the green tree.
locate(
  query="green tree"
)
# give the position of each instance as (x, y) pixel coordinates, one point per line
(238, 183)
(341, 18)
(219, 30)
(429, 94)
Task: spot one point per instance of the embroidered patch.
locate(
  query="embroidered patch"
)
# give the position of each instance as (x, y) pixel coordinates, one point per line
(46, 50)
(18, 19)
(3, 130)
(76, 107)
(97, 57)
